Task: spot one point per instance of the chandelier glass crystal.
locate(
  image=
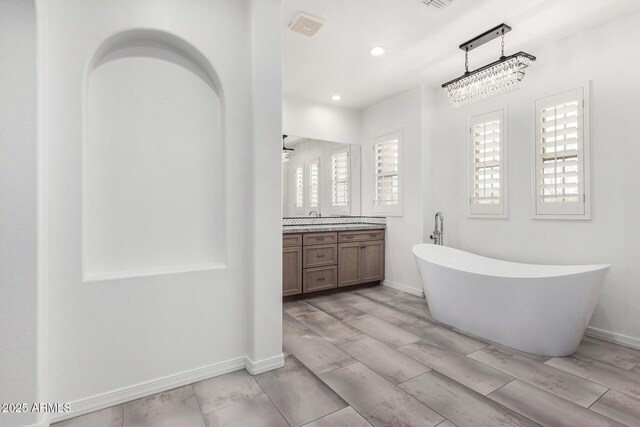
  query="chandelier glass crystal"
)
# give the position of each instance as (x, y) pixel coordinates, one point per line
(497, 78)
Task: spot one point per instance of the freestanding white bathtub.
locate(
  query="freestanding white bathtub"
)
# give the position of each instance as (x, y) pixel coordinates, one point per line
(539, 309)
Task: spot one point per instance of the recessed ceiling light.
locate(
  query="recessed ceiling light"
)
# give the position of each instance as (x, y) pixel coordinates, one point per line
(377, 50)
(336, 97)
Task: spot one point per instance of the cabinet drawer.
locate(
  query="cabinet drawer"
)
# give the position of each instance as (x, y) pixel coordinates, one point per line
(319, 255)
(360, 236)
(317, 279)
(292, 240)
(320, 238)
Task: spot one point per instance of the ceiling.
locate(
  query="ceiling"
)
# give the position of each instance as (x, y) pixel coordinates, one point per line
(422, 42)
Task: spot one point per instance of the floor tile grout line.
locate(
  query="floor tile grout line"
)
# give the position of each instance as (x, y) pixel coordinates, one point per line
(430, 321)
(339, 367)
(598, 399)
(579, 356)
(559, 397)
(488, 396)
(371, 314)
(444, 418)
(333, 317)
(204, 421)
(412, 378)
(426, 319)
(272, 402)
(393, 347)
(503, 385)
(229, 404)
(582, 356)
(537, 386)
(522, 379)
(593, 381)
(458, 354)
(293, 332)
(326, 415)
(390, 347)
(635, 352)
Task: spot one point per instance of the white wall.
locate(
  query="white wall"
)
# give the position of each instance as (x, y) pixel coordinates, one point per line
(19, 344)
(403, 111)
(118, 339)
(320, 121)
(608, 57)
(163, 209)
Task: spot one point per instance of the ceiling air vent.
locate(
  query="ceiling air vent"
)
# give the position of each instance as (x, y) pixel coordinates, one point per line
(306, 24)
(440, 4)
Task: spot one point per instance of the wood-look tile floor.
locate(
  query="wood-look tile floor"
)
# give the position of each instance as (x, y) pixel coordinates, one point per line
(375, 357)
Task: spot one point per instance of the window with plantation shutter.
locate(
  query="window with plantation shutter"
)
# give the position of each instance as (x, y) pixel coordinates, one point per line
(387, 194)
(299, 189)
(488, 192)
(561, 150)
(314, 184)
(340, 178)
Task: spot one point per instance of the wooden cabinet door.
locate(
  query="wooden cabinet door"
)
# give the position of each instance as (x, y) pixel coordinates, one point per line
(348, 264)
(372, 261)
(291, 271)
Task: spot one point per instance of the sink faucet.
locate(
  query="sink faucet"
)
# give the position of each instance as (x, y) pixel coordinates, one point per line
(438, 231)
(315, 214)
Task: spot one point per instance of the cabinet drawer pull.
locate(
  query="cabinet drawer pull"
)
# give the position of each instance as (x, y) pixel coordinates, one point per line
(363, 246)
(349, 237)
(320, 256)
(319, 238)
(373, 235)
(320, 279)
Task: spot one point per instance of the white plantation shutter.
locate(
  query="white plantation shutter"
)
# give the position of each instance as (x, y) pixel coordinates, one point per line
(299, 189)
(560, 172)
(488, 164)
(387, 173)
(314, 184)
(340, 178)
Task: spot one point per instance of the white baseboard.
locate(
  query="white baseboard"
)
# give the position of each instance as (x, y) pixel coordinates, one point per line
(126, 394)
(403, 288)
(613, 337)
(264, 365)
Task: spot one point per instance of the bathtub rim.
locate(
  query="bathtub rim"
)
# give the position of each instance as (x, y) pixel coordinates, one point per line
(577, 268)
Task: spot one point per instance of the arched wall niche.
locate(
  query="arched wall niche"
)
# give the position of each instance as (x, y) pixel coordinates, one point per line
(153, 159)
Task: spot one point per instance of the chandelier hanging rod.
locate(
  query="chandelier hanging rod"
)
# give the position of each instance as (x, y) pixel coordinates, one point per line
(485, 37)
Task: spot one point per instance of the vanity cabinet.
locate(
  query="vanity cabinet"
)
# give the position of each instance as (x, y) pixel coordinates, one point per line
(360, 261)
(317, 261)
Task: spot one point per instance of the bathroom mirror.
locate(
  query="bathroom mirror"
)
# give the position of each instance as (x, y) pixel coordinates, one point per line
(320, 178)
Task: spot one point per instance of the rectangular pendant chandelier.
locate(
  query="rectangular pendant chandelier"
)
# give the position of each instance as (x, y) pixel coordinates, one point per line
(501, 76)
